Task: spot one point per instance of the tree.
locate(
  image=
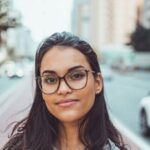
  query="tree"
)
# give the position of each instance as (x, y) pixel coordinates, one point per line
(7, 20)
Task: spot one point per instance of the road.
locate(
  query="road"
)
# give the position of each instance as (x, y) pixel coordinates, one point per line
(7, 83)
(123, 95)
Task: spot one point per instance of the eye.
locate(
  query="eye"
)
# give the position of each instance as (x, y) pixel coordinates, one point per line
(77, 75)
(50, 79)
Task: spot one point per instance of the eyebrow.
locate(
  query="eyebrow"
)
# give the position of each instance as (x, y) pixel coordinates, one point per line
(70, 69)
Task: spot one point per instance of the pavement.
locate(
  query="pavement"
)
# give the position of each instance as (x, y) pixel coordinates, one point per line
(130, 138)
(14, 105)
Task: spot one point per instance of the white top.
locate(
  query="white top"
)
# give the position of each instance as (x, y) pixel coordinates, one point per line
(113, 146)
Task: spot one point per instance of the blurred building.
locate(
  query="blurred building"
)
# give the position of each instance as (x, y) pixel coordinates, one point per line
(20, 41)
(145, 16)
(104, 22)
(9, 18)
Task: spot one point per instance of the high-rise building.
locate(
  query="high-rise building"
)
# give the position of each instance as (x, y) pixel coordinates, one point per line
(145, 17)
(104, 22)
(20, 40)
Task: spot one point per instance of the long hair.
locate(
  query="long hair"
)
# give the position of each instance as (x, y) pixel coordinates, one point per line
(39, 130)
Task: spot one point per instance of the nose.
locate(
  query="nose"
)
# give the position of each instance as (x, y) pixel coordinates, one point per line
(63, 88)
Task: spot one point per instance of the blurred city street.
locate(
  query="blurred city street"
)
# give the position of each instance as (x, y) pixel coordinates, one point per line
(119, 33)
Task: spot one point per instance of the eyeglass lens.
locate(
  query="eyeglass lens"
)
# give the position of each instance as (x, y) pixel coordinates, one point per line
(75, 79)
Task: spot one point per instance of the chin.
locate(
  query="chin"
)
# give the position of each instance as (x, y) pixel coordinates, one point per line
(69, 118)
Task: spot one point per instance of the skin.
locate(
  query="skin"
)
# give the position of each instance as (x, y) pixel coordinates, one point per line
(56, 59)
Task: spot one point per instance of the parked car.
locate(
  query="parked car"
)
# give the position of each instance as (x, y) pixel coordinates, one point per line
(145, 115)
(12, 69)
(5, 67)
(106, 72)
(15, 72)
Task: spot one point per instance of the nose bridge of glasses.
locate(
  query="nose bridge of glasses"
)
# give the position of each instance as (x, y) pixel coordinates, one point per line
(63, 82)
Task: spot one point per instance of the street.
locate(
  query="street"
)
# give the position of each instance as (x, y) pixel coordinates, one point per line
(123, 94)
(117, 31)
(7, 83)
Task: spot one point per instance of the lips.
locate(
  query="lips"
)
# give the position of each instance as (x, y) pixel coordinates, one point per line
(67, 102)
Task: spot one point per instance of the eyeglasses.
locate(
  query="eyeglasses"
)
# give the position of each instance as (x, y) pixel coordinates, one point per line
(75, 80)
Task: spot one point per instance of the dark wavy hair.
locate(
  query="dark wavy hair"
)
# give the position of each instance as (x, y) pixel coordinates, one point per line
(39, 130)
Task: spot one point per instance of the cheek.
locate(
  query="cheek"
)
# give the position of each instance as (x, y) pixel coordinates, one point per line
(88, 97)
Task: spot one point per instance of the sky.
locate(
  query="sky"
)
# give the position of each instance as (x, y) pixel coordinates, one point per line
(45, 17)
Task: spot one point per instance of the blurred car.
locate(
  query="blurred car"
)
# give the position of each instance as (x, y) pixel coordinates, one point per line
(6, 66)
(145, 115)
(106, 73)
(12, 69)
(15, 72)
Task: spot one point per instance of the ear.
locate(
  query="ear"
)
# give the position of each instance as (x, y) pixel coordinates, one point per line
(98, 83)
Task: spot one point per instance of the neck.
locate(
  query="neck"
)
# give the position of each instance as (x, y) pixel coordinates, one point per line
(69, 137)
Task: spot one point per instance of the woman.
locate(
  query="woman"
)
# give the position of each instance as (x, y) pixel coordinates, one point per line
(69, 110)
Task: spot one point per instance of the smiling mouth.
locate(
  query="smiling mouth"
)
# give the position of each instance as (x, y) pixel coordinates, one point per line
(67, 103)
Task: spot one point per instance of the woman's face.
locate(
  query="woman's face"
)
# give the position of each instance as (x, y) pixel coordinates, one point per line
(65, 104)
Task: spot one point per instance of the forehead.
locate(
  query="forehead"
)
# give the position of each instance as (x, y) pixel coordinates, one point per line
(60, 59)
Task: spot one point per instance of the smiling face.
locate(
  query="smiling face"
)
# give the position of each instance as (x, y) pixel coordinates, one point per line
(66, 104)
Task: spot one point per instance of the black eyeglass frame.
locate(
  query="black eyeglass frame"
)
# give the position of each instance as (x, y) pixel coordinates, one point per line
(38, 78)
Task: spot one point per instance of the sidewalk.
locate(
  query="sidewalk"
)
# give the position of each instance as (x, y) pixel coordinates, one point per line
(130, 144)
(133, 141)
(14, 107)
